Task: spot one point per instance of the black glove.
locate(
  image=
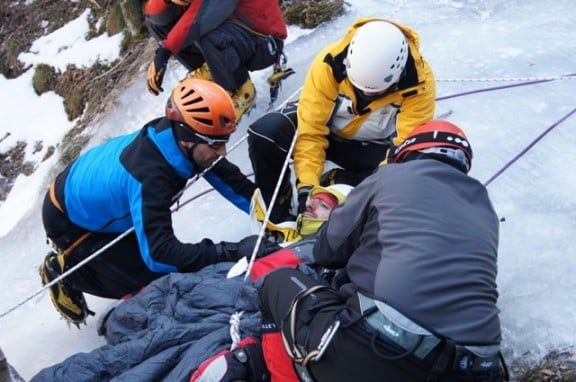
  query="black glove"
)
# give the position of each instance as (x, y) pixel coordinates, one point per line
(340, 176)
(245, 363)
(303, 193)
(157, 69)
(245, 247)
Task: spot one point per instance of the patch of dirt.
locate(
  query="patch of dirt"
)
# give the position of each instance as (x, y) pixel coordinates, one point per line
(556, 366)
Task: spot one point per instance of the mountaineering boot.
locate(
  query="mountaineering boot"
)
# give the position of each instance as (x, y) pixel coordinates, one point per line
(67, 300)
(202, 73)
(243, 98)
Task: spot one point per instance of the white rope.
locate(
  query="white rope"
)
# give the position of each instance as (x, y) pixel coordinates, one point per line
(404, 2)
(274, 195)
(111, 243)
(235, 329)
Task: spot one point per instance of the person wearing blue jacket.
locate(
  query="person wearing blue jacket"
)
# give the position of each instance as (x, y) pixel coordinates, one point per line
(132, 181)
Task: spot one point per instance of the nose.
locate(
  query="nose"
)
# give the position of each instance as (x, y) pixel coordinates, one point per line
(310, 204)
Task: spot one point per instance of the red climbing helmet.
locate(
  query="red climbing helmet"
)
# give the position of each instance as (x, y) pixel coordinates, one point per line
(438, 137)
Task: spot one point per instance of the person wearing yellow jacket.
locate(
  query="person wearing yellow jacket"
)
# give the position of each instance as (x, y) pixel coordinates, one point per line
(363, 94)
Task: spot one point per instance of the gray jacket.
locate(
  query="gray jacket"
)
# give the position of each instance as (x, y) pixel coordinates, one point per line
(422, 237)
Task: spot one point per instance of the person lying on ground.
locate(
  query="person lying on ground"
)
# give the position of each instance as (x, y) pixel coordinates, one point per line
(172, 325)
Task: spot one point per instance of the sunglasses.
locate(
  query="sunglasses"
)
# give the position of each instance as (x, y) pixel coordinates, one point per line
(211, 141)
(187, 134)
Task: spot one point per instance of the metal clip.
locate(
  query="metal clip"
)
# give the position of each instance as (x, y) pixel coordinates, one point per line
(326, 339)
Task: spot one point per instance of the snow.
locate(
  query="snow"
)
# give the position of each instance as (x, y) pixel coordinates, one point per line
(462, 39)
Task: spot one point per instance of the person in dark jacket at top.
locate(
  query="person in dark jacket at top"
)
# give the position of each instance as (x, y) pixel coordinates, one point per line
(132, 181)
(216, 40)
(418, 241)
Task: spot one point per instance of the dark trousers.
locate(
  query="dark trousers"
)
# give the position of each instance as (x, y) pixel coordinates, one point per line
(356, 352)
(230, 52)
(114, 273)
(269, 140)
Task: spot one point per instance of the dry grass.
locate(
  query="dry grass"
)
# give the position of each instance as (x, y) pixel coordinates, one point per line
(556, 366)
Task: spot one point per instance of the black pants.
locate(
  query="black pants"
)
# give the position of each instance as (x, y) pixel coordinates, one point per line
(269, 140)
(229, 50)
(356, 352)
(112, 274)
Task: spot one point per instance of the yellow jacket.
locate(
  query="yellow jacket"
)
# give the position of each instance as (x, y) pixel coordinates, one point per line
(328, 105)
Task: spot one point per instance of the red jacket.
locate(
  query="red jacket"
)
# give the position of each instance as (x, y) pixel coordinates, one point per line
(187, 24)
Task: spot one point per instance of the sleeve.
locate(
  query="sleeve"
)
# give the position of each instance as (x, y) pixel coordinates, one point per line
(201, 17)
(416, 110)
(340, 235)
(315, 107)
(160, 250)
(160, 13)
(232, 184)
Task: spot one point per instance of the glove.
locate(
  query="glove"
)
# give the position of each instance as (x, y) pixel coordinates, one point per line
(302, 197)
(157, 69)
(340, 176)
(245, 247)
(245, 363)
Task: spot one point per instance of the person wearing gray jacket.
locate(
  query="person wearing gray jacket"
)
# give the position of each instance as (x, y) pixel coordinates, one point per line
(418, 243)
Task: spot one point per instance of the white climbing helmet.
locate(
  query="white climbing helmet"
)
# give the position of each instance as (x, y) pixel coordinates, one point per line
(377, 55)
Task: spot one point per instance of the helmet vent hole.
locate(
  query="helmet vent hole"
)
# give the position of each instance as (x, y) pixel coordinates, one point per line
(205, 121)
(197, 109)
(187, 92)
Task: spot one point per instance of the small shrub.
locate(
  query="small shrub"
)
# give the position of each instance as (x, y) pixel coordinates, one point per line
(311, 13)
(72, 144)
(115, 21)
(134, 17)
(44, 79)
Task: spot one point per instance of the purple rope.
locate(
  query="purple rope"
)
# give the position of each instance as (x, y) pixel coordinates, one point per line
(500, 87)
(192, 198)
(525, 150)
(441, 99)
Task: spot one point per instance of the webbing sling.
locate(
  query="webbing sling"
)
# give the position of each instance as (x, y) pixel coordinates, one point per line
(77, 242)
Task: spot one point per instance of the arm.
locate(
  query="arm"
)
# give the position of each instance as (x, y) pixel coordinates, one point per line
(418, 109)
(340, 235)
(232, 184)
(159, 13)
(159, 248)
(315, 107)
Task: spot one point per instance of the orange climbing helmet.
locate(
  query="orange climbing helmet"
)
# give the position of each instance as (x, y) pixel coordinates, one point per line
(201, 109)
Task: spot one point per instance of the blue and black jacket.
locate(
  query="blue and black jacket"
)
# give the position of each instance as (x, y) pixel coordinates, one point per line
(133, 180)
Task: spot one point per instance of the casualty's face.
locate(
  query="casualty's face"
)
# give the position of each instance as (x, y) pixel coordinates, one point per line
(320, 206)
(204, 154)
